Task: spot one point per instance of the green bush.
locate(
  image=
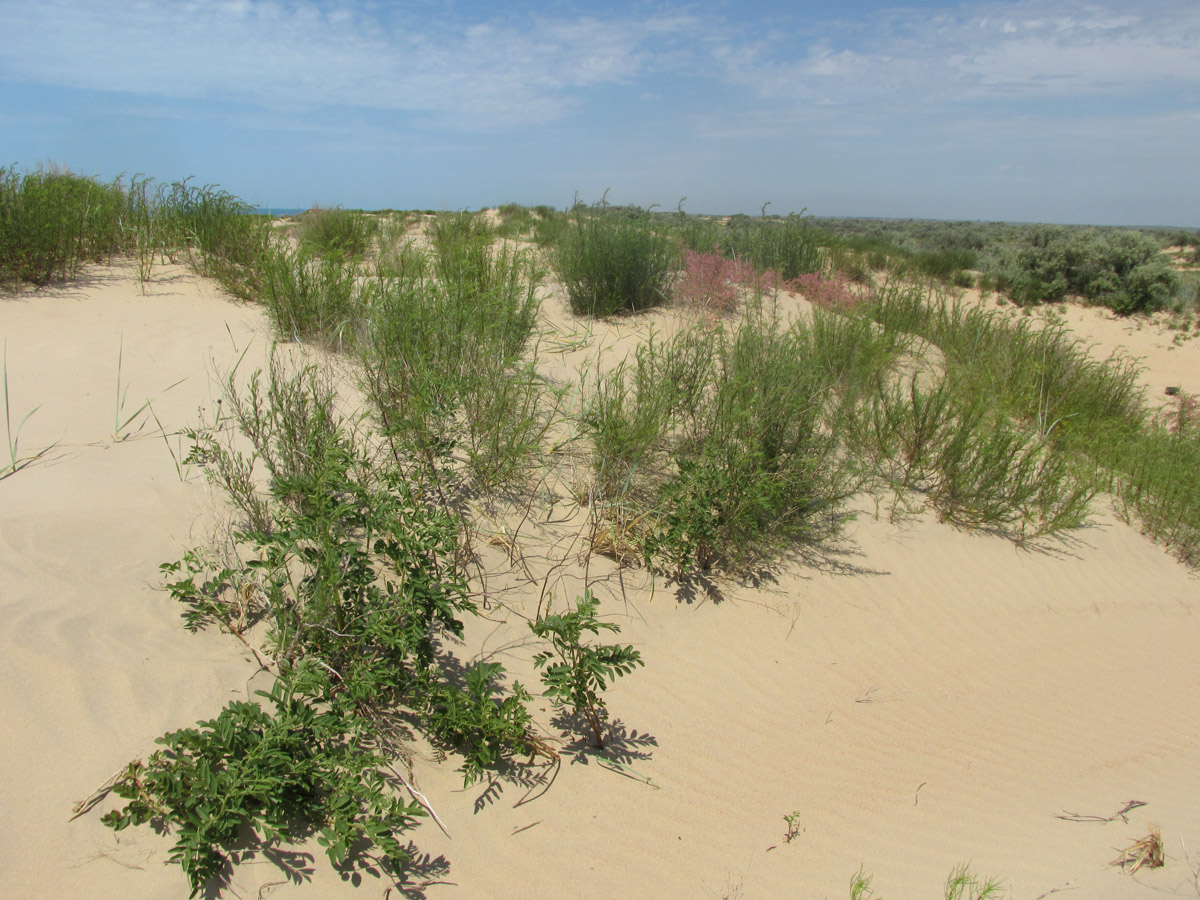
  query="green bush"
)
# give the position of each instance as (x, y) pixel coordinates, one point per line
(1122, 270)
(944, 265)
(354, 573)
(549, 226)
(516, 221)
(283, 774)
(443, 356)
(724, 447)
(788, 248)
(337, 232)
(613, 265)
(53, 222)
(309, 298)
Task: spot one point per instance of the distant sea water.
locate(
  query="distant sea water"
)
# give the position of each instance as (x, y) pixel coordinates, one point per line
(276, 211)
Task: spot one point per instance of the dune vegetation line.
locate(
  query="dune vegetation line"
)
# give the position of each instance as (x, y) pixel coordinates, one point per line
(731, 445)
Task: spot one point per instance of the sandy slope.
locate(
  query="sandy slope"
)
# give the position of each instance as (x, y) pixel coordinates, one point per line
(921, 696)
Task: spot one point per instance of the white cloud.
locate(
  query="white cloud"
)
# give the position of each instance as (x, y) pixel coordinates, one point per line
(508, 71)
(300, 54)
(915, 60)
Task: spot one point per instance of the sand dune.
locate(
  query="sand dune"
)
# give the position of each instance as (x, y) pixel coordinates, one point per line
(921, 696)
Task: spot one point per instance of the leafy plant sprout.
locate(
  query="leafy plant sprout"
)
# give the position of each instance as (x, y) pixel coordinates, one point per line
(576, 673)
(792, 820)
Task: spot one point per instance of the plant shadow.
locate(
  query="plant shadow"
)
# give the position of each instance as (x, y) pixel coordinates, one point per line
(409, 879)
(622, 745)
(535, 779)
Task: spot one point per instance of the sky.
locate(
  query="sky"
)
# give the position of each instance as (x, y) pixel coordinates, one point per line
(1046, 110)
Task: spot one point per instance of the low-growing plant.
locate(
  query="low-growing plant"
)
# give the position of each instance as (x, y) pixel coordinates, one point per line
(480, 725)
(712, 282)
(832, 293)
(961, 884)
(575, 673)
(860, 885)
(991, 475)
(122, 419)
(1153, 472)
(354, 572)
(12, 437)
(792, 820)
(283, 773)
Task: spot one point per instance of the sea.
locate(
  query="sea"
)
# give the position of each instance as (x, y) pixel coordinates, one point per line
(276, 211)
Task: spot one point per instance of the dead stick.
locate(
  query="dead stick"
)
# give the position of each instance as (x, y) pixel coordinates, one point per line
(89, 802)
(420, 798)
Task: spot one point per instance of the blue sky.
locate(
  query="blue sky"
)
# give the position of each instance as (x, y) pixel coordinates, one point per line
(1054, 110)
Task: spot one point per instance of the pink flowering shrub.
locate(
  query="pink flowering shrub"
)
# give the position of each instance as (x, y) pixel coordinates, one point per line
(832, 293)
(712, 282)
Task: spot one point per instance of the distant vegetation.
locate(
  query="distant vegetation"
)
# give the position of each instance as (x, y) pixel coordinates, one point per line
(336, 231)
(53, 222)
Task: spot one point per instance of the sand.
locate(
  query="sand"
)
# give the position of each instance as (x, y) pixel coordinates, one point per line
(920, 697)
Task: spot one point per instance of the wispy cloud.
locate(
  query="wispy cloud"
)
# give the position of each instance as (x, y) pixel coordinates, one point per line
(297, 55)
(915, 59)
(527, 68)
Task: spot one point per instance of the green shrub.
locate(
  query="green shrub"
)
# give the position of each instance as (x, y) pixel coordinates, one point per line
(354, 573)
(337, 232)
(282, 774)
(550, 226)
(462, 244)
(612, 265)
(1154, 475)
(724, 447)
(1122, 270)
(309, 298)
(943, 265)
(515, 220)
(788, 248)
(443, 356)
(53, 222)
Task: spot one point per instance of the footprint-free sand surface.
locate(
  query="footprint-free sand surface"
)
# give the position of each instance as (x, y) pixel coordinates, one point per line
(918, 697)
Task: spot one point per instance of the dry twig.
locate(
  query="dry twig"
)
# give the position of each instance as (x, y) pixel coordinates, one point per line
(1121, 814)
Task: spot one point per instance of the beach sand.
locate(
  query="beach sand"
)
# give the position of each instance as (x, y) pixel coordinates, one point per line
(919, 697)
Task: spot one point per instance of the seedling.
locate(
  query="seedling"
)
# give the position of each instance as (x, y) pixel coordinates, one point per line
(575, 673)
(120, 420)
(961, 884)
(860, 886)
(15, 461)
(793, 826)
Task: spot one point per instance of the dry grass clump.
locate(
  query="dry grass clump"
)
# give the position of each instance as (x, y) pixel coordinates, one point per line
(1145, 852)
